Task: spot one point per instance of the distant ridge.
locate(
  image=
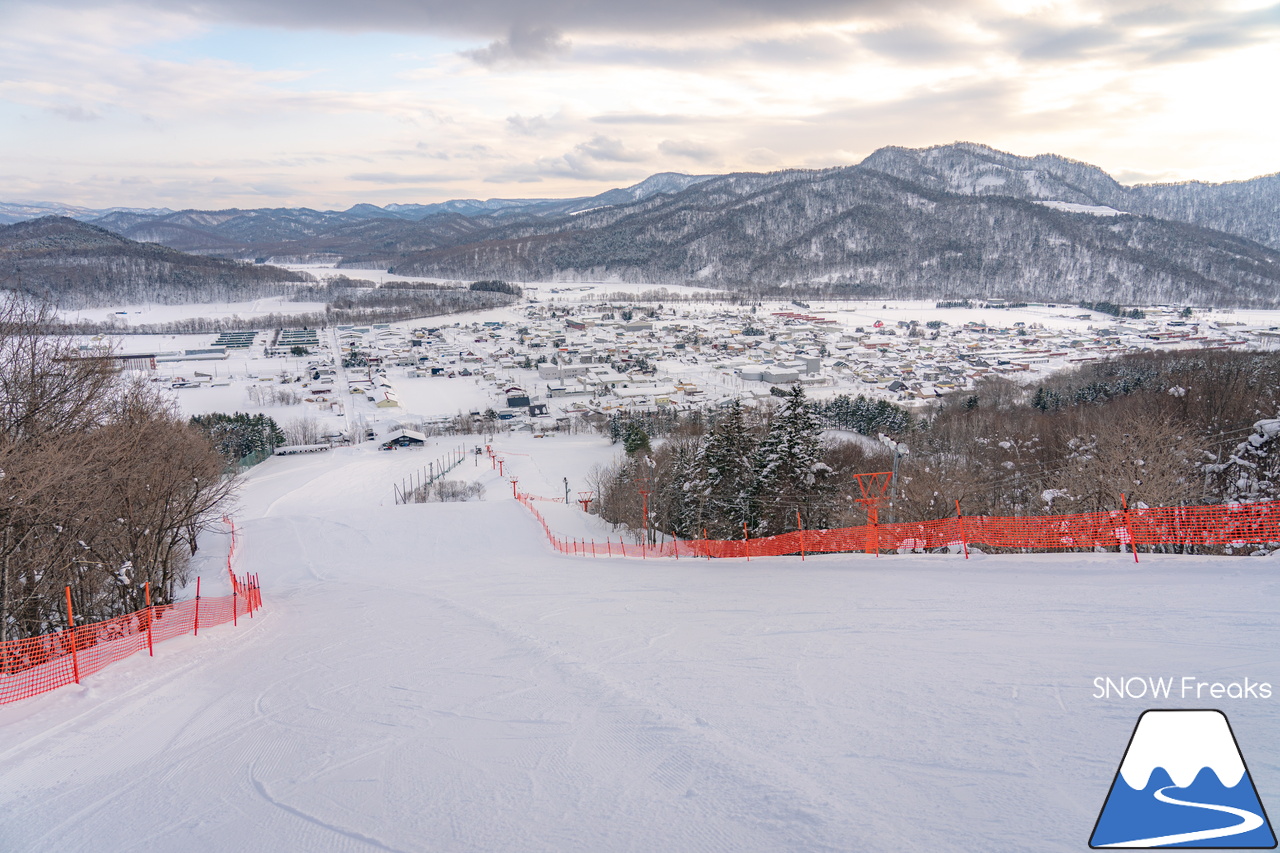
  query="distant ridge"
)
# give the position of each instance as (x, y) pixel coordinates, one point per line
(950, 221)
(75, 264)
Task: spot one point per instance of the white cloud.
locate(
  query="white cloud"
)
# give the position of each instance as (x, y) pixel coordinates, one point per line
(717, 84)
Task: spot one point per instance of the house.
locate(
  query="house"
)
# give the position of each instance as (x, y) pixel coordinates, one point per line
(404, 438)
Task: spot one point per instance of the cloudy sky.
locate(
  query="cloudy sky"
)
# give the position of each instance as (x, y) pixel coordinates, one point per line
(327, 103)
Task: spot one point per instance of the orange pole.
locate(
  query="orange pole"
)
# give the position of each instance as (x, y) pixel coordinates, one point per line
(150, 648)
(235, 601)
(197, 631)
(745, 541)
(71, 620)
(800, 526)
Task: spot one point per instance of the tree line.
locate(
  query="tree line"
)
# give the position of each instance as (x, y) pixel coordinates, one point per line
(103, 485)
(1163, 429)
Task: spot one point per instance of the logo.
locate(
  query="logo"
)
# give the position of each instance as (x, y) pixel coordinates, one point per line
(1183, 783)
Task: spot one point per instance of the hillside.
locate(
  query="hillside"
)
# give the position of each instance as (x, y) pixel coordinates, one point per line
(434, 677)
(1249, 209)
(960, 220)
(76, 265)
(868, 233)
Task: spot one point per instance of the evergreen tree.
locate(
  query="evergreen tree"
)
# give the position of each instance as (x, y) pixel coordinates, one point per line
(789, 474)
(723, 486)
(680, 510)
(634, 438)
(239, 435)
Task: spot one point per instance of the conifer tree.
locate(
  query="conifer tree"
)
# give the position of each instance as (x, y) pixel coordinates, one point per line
(789, 474)
(724, 484)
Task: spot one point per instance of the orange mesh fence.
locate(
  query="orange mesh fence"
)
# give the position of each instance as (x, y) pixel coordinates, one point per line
(36, 665)
(1236, 525)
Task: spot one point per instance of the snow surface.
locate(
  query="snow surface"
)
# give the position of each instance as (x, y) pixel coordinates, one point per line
(435, 678)
(1073, 207)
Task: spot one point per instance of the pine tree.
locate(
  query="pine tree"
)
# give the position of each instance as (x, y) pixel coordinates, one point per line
(634, 438)
(789, 474)
(724, 482)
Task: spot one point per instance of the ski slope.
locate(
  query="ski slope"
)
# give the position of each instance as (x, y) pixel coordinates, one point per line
(435, 678)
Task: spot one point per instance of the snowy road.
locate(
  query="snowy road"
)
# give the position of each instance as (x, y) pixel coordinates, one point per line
(434, 678)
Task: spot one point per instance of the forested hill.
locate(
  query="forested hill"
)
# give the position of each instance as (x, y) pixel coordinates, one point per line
(865, 232)
(1248, 209)
(952, 221)
(76, 265)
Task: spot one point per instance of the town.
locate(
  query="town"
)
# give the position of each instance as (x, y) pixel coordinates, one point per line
(564, 354)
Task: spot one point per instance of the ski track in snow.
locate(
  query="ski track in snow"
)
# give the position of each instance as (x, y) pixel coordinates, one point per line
(435, 678)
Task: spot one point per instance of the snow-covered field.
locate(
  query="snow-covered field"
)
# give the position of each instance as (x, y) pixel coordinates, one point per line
(435, 678)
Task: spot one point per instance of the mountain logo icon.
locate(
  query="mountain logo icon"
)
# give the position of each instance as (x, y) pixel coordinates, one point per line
(1183, 783)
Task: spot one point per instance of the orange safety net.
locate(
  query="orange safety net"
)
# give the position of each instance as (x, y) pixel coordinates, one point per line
(1235, 525)
(36, 665)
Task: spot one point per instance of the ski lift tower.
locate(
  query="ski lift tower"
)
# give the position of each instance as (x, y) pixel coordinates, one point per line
(873, 487)
(585, 498)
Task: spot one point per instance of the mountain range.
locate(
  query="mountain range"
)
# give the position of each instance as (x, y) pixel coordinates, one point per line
(960, 220)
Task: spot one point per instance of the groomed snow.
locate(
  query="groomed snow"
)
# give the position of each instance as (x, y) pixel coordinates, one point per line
(1073, 207)
(435, 678)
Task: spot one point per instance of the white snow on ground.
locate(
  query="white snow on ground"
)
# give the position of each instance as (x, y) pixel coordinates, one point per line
(434, 677)
(1072, 207)
(153, 314)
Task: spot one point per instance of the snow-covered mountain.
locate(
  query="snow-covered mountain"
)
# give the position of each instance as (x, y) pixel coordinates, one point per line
(960, 220)
(20, 211)
(1248, 209)
(867, 233)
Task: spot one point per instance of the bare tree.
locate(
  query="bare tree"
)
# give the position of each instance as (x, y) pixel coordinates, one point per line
(103, 486)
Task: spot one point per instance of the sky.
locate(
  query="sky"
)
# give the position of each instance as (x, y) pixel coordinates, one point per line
(330, 103)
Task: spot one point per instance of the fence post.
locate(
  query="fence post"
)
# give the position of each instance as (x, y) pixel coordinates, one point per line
(964, 540)
(151, 650)
(746, 543)
(197, 631)
(235, 601)
(706, 543)
(71, 621)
